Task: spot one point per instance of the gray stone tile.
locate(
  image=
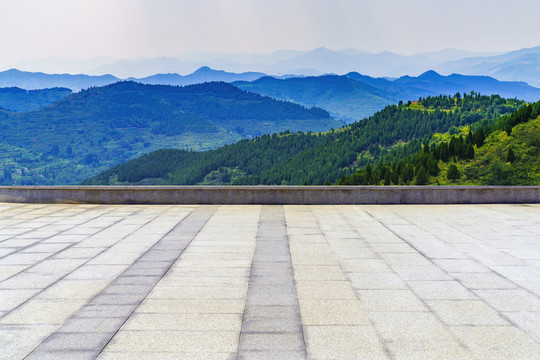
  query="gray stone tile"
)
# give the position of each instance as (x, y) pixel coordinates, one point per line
(43, 311)
(325, 290)
(92, 325)
(183, 322)
(343, 342)
(256, 324)
(175, 341)
(364, 265)
(165, 355)
(409, 272)
(461, 265)
(497, 342)
(273, 311)
(269, 290)
(13, 298)
(466, 312)
(128, 289)
(105, 311)
(63, 355)
(272, 355)
(118, 299)
(483, 281)
(528, 321)
(6, 251)
(24, 258)
(271, 325)
(16, 341)
(450, 350)
(510, 300)
(410, 327)
(76, 341)
(405, 259)
(374, 281)
(137, 280)
(45, 248)
(524, 276)
(265, 281)
(441, 290)
(390, 300)
(333, 312)
(271, 341)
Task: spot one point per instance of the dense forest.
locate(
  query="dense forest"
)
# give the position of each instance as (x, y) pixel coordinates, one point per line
(395, 133)
(503, 152)
(90, 131)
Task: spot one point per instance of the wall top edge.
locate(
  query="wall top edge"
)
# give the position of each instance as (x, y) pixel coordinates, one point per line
(264, 188)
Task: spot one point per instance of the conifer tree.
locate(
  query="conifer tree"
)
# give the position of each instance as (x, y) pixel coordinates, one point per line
(453, 172)
(511, 157)
(421, 176)
(387, 179)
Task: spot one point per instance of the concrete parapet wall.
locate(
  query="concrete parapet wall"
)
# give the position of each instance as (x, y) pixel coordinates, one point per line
(270, 194)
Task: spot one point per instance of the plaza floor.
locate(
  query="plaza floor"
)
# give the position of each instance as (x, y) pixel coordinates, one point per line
(269, 282)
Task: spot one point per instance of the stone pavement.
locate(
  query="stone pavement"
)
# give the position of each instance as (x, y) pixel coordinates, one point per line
(269, 282)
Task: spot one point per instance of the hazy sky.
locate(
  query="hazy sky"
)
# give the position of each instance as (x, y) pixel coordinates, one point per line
(130, 28)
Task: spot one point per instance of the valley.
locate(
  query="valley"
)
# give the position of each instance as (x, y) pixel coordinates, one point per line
(391, 135)
(56, 136)
(92, 130)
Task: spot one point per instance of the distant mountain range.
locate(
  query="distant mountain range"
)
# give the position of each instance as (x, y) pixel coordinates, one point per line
(202, 75)
(348, 97)
(310, 63)
(354, 96)
(314, 62)
(521, 65)
(33, 81)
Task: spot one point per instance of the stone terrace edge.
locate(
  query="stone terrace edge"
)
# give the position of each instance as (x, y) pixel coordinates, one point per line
(266, 195)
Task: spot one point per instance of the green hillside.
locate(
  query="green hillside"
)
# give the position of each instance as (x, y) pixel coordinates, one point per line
(90, 131)
(505, 152)
(314, 158)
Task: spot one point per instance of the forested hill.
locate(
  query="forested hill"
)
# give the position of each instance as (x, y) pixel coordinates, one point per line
(92, 130)
(505, 152)
(15, 99)
(344, 97)
(130, 104)
(312, 158)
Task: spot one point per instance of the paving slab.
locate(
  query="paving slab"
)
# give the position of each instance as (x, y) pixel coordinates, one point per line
(114, 295)
(271, 323)
(269, 282)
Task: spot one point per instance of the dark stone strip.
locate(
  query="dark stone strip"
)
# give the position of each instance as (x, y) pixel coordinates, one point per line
(272, 327)
(88, 331)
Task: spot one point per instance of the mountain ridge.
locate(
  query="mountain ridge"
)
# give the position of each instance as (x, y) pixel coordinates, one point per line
(16, 99)
(38, 80)
(517, 65)
(372, 94)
